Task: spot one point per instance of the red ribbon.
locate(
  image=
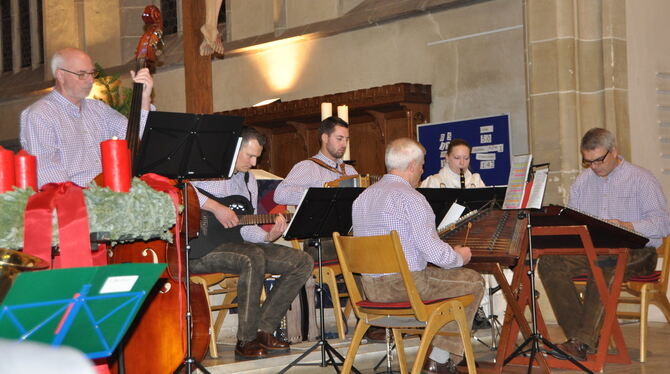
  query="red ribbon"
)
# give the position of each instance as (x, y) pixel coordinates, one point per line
(73, 232)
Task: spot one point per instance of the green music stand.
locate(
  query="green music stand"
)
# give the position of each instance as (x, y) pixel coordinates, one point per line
(87, 308)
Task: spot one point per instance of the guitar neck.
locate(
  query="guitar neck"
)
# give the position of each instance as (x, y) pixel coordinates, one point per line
(260, 219)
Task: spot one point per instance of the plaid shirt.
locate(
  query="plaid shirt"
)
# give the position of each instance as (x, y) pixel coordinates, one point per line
(66, 140)
(306, 174)
(630, 194)
(235, 186)
(392, 204)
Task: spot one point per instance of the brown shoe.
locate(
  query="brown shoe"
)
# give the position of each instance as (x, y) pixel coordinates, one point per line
(249, 350)
(434, 367)
(272, 344)
(575, 348)
(375, 334)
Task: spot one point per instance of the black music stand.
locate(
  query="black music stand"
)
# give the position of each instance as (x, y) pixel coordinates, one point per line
(189, 146)
(321, 212)
(441, 199)
(531, 346)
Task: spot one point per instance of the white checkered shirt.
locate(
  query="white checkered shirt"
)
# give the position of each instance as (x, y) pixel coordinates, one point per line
(392, 204)
(630, 194)
(66, 140)
(306, 174)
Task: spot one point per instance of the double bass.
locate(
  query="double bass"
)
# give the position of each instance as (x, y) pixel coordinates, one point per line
(156, 342)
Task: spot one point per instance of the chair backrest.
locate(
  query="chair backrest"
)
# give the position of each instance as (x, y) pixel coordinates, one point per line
(664, 251)
(376, 255)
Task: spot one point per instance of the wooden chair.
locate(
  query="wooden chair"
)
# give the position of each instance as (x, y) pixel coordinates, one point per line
(330, 272)
(384, 254)
(228, 286)
(646, 290)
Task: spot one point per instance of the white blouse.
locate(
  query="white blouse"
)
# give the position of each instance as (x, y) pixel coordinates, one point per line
(446, 178)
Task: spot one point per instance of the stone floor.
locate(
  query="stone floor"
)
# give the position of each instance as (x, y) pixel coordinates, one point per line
(370, 354)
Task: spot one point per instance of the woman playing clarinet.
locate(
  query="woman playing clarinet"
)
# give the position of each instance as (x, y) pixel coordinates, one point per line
(455, 173)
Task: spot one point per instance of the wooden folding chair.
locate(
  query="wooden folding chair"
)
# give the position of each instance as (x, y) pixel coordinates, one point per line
(331, 269)
(646, 290)
(382, 255)
(228, 286)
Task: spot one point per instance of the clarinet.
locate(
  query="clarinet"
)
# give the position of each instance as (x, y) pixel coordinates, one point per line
(462, 178)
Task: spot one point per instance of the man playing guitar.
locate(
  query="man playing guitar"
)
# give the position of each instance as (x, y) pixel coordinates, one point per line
(251, 258)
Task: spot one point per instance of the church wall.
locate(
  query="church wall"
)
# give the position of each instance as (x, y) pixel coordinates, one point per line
(647, 56)
(470, 75)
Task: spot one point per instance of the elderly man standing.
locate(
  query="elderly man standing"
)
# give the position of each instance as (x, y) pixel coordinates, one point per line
(437, 268)
(64, 128)
(619, 192)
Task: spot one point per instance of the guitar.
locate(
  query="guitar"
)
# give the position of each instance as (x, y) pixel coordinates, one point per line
(212, 232)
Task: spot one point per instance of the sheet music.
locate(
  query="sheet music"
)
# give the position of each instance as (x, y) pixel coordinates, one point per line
(452, 216)
(516, 184)
(537, 190)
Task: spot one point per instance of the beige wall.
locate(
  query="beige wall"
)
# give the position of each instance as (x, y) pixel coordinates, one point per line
(472, 76)
(648, 54)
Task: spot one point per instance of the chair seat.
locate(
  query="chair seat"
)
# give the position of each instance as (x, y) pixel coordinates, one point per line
(654, 277)
(397, 305)
(326, 263)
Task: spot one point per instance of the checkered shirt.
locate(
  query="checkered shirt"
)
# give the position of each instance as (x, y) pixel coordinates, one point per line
(66, 140)
(306, 174)
(630, 194)
(392, 204)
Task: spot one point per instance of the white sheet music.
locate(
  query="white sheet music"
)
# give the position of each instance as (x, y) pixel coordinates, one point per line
(452, 216)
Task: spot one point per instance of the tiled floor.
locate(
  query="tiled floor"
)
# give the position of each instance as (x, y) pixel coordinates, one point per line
(370, 354)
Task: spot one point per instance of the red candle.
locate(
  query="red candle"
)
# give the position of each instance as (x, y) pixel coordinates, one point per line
(116, 164)
(25, 166)
(6, 170)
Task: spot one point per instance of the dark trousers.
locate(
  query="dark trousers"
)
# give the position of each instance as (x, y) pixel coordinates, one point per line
(251, 261)
(583, 320)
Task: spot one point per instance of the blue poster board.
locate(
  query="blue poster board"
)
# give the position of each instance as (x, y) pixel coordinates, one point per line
(488, 136)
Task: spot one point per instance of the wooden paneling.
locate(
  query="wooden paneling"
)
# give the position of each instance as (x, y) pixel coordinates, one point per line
(376, 116)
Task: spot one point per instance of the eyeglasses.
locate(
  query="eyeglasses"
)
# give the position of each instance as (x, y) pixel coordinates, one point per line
(84, 74)
(597, 162)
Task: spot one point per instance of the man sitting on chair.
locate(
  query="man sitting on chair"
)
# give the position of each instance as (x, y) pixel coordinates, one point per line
(253, 258)
(623, 194)
(394, 204)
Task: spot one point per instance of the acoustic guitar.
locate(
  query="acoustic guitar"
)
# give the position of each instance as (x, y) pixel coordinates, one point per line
(212, 232)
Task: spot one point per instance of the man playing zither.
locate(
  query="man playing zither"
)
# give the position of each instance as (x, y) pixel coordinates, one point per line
(619, 192)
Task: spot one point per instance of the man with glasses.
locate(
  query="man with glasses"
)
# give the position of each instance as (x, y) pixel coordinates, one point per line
(64, 128)
(623, 194)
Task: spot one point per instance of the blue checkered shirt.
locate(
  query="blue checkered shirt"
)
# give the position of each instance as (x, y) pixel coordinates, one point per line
(306, 174)
(66, 140)
(392, 204)
(630, 194)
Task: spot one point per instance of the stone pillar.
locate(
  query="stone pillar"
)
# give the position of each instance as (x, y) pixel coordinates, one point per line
(577, 74)
(61, 29)
(102, 32)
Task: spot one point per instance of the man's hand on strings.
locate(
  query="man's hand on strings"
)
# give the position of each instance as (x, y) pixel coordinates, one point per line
(277, 229)
(143, 76)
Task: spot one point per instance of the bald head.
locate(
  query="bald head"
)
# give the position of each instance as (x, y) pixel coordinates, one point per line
(71, 69)
(61, 58)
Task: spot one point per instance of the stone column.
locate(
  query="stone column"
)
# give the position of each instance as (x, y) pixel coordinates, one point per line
(61, 29)
(577, 74)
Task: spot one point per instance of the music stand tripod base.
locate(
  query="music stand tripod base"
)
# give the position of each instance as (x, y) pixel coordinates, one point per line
(321, 212)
